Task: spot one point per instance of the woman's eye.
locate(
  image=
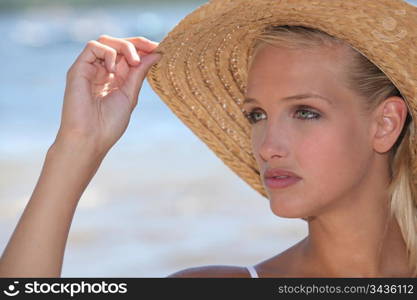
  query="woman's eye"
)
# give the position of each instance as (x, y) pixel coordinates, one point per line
(252, 116)
(304, 114)
(307, 114)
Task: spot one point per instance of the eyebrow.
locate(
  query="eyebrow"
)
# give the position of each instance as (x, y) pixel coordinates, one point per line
(294, 97)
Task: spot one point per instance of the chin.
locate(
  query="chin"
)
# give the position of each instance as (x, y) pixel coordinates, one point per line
(288, 209)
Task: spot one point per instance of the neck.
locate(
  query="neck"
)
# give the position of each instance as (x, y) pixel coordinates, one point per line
(358, 238)
(356, 251)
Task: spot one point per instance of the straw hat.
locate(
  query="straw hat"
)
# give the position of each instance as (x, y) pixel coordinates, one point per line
(203, 71)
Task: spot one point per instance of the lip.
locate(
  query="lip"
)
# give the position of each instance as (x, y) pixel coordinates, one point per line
(279, 172)
(274, 183)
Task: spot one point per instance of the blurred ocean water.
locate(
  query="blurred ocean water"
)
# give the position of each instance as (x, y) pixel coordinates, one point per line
(161, 200)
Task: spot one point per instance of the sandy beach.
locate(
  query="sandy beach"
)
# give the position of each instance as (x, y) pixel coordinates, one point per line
(127, 224)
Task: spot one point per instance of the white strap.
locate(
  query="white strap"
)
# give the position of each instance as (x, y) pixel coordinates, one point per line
(252, 272)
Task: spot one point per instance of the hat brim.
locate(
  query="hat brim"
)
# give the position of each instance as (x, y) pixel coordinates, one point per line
(203, 71)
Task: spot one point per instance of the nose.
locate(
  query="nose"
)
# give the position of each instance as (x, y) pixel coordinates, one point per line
(271, 141)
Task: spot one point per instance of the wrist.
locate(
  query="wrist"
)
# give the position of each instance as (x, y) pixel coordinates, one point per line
(77, 148)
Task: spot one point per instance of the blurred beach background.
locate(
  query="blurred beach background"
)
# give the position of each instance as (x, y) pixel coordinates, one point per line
(161, 200)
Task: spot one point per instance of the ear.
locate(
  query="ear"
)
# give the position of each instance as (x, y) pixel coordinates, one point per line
(390, 117)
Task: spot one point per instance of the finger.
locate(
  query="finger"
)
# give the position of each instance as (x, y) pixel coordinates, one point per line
(122, 68)
(123, 47)
(143, 44)
(101, 70)
(93, 52)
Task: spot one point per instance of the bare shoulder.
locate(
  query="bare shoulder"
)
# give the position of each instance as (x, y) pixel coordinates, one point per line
(212, 271)
(281, 265)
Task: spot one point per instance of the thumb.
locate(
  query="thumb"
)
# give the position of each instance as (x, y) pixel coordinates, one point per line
(148, 61)
(139, 72)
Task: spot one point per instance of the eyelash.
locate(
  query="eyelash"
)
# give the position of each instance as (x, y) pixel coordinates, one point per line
(250, 115)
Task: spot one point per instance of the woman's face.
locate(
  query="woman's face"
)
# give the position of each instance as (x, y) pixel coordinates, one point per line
(325, 142)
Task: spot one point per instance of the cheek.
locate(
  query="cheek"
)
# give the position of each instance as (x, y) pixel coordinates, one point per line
(333, 157)
(256, 141)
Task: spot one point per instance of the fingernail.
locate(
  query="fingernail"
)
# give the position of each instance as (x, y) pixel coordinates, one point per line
(136, 57)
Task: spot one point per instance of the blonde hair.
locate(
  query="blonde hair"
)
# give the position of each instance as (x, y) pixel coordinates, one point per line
(374, 86)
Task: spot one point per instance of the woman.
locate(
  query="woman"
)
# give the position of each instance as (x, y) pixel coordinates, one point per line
(329, 133)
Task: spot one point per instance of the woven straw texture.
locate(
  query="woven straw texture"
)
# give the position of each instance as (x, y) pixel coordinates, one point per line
(202, 74)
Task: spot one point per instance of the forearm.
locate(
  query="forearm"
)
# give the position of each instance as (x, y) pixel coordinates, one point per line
(36, 247)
